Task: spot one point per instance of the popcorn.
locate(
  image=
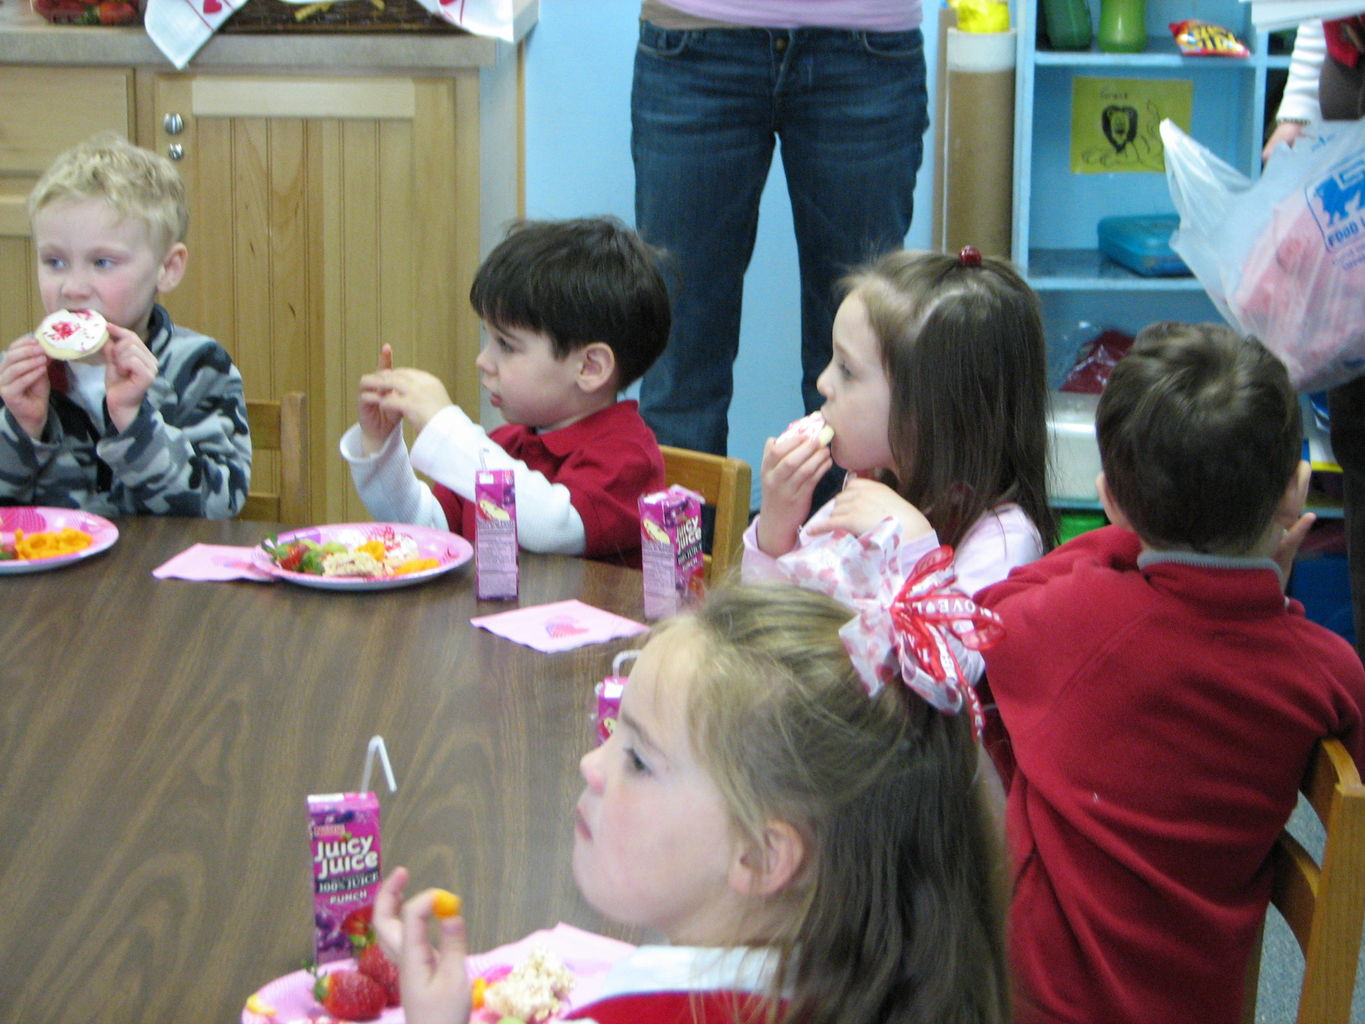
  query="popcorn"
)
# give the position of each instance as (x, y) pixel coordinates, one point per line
(534, 990)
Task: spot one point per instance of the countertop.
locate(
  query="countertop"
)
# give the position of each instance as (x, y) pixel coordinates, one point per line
(25, 38)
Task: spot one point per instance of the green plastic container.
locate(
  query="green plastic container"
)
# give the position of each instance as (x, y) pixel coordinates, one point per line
(1067, 23)
(1073, 524)
(1123, 26)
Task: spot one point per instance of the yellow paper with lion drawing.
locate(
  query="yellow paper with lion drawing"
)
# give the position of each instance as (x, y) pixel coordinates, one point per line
(1114, 122)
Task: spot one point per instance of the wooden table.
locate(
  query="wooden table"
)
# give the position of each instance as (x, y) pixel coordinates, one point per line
(158, 739)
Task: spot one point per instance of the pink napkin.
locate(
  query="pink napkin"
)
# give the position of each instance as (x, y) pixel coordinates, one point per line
(212, 562)
(560, 626)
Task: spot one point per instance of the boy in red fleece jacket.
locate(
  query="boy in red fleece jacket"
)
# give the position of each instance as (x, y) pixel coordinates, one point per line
(1162, 696)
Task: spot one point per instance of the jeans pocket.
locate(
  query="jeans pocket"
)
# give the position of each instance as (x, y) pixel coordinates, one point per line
(908, 45)
(662, 42)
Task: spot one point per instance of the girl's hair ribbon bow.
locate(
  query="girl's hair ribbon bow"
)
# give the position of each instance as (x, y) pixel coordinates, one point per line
(911, 635)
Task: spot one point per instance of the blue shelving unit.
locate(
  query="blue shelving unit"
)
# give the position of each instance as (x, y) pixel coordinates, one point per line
(1056, 212)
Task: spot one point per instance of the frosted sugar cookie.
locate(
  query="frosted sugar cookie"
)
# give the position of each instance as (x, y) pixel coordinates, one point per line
(72, 333)
(813, 426)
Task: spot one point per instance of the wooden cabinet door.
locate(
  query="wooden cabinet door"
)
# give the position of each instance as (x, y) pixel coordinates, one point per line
(328, 215)
(45, 111)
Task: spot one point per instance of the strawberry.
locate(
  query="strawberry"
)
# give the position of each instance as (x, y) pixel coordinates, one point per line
(116, 12)
(290, 561)
(350, 995)
(374, 964)
(60, 11)
(359, 927)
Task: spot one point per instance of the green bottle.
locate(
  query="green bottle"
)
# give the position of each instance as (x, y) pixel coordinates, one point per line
(1067, 23)
(1123, 26)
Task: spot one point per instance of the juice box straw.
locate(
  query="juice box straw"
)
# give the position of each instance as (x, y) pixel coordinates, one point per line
(377, 749)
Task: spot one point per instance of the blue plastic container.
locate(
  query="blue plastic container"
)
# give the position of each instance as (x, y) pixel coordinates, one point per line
(1143, 244)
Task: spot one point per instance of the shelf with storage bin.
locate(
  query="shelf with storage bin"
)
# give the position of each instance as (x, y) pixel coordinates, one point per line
(1160, 53)
(1079, 269)
(1057, 212)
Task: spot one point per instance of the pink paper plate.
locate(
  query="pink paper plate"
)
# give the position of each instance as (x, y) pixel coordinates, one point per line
(588, 955)
(291, 997)
(37, 518)
(449, 549)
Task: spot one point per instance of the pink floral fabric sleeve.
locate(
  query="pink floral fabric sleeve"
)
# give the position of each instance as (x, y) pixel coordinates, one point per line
(999, 541)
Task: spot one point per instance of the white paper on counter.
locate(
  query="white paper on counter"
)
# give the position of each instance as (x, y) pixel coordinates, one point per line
(481, 17)
(180, 27)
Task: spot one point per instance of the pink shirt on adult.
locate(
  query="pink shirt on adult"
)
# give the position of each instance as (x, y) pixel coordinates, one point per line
(864, 15)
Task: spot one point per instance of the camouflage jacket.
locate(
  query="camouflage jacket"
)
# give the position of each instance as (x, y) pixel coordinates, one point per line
(188, 452)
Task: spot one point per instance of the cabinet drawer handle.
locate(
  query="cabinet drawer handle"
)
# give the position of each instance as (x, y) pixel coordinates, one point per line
(173, 123)
(175, 151)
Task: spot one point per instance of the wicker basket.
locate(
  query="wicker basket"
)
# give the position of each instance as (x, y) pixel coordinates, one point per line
(336, 16)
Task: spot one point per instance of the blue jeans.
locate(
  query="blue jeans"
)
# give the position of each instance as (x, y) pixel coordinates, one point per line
(849, 109)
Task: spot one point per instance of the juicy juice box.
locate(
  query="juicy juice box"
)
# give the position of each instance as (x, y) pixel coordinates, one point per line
(344, 832)
(495, 528)
(670, 549)
(609, 693)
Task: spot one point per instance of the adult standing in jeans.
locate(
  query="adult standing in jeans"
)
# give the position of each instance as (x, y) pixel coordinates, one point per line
(841, 86)
(1327, 82)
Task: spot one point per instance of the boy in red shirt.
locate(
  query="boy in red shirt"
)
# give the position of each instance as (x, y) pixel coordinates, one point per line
(1162, 696)
(574, 311)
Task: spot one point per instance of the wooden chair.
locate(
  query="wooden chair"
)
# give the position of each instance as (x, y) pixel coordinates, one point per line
(1324, 905)
(723, 484)
(282, 428)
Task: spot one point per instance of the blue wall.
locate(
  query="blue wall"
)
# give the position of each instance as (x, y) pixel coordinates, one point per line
(578, 71)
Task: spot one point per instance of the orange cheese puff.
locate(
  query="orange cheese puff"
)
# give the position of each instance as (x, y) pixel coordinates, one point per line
(476, 993)
(49, 544)
(416, 565)
(255, 1004)
(446, 904)
(373, 548)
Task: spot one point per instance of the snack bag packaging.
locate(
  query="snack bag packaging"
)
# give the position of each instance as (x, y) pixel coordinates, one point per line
(1205, 39)
(495, 543)
(670, 548)
(343, 829)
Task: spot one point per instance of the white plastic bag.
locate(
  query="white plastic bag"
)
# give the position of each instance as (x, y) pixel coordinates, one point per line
(1283, 257)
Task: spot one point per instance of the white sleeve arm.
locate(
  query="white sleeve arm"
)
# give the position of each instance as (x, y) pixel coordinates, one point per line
(451, 447)
(1300, 101)
(386, 483)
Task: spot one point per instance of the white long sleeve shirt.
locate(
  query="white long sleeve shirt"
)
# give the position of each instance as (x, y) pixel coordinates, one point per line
(449, 450)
